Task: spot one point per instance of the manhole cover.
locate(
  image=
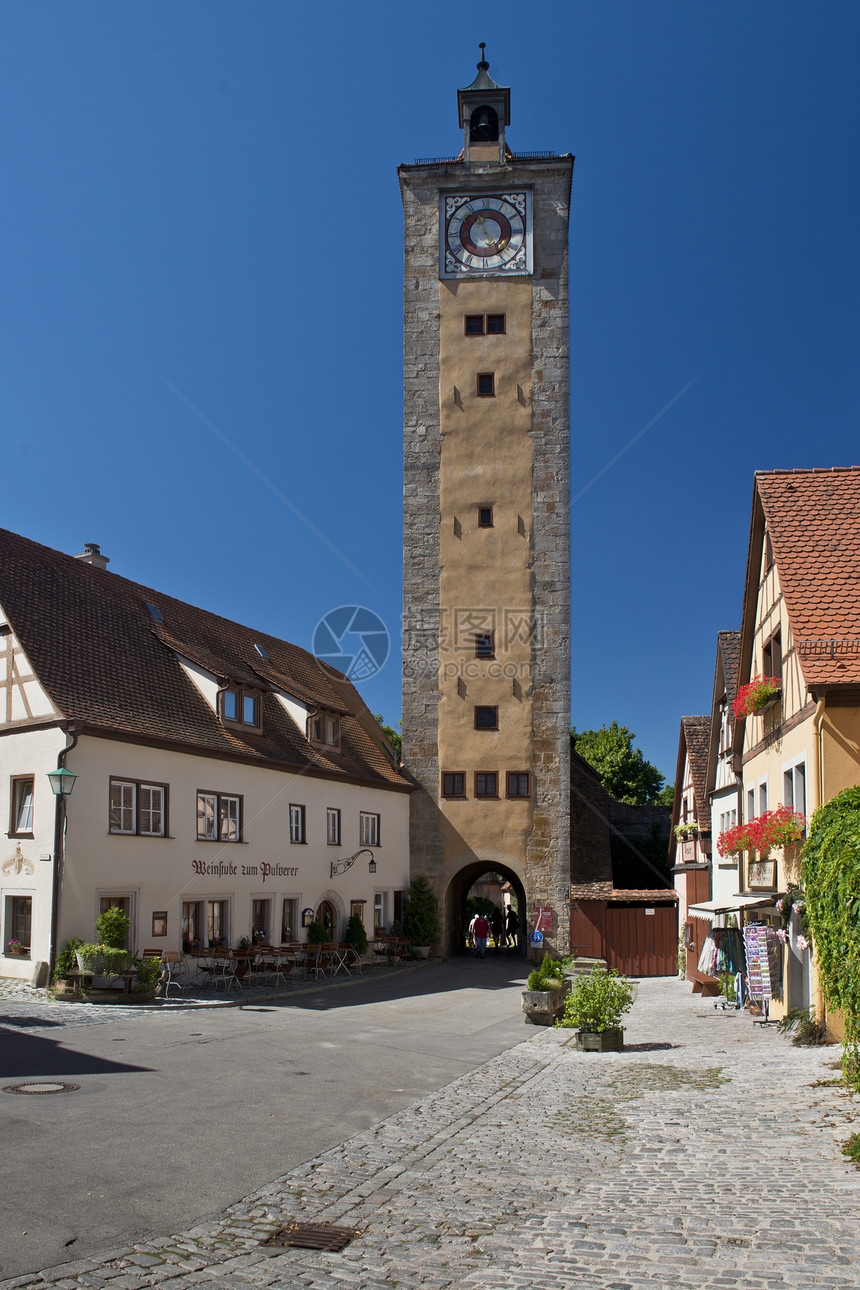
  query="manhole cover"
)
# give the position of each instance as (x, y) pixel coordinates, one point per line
(313, 1236)
(41, 1086)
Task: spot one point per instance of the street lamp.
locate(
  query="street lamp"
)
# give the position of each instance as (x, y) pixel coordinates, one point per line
(62, 782)
(371, 867)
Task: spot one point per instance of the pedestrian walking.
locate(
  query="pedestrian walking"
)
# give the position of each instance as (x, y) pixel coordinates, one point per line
(482, 932)
(512, 926)
(497, 922)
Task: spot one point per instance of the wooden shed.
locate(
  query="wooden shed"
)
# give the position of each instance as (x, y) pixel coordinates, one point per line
(636, 932)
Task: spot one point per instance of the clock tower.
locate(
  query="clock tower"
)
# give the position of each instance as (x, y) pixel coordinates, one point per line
(486, 617)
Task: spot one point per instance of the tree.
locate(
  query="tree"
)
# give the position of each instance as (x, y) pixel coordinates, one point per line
(391, 735)
(666, 796)
(623, 771)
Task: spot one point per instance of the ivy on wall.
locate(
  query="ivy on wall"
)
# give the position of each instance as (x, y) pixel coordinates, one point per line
(831, 872)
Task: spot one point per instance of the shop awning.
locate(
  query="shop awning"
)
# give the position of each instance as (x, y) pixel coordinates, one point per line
(728, 905)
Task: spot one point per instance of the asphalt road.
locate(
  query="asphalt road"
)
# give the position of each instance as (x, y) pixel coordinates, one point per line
(179, 1115)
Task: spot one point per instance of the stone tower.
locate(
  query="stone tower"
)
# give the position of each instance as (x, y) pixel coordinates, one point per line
(486, 657)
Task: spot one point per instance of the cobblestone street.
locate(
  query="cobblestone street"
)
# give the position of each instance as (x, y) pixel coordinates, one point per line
(707, 1154)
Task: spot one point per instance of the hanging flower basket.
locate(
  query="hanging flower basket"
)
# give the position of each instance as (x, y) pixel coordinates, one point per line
(757, 695)
(686, 832)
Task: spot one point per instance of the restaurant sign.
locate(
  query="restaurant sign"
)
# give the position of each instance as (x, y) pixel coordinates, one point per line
(226, 869)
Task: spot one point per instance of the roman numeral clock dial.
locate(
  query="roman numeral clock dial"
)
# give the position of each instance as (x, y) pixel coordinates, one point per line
(485, 235)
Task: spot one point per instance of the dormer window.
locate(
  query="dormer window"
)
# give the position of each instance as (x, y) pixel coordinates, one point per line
(324, 729)
(241, 708)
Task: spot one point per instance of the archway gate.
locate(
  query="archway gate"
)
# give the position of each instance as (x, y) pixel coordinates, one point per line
(455, 902)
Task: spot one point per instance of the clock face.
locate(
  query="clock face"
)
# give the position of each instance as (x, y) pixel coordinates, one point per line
(485, 235)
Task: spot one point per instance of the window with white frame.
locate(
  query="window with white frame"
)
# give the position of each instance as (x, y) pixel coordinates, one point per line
(219, 817)
(138, 808)
(750, 804)
(332, 826)
(380, 910)
(794, 786)
(193, 914)
(297, 824)
(289, 919)
(217, 922)
(21, 806)
(261, 920)
(368, 829)
(762, 797)
(17, 924)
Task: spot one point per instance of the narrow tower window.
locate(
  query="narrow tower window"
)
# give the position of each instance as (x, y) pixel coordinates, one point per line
(486, 385)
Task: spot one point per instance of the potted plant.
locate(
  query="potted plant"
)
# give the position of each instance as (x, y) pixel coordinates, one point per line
(594, 1010)
(759, 694)
(109, 958)
(355, 935)
(64, 982)
(17, 949)
(687, 830)
(317, 934)
(545, 993)
(421, 917)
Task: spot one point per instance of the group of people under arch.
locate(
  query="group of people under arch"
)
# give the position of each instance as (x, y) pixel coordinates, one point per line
(497, 928)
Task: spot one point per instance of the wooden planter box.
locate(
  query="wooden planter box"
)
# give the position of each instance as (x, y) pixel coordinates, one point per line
(600, 1041)
(544, 1007)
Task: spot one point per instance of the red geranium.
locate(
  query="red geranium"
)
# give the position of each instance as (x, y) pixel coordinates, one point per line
(780, 828)
(753, 696)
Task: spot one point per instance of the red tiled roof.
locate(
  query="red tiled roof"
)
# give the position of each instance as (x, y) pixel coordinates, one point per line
(813, 518)
(105, 661)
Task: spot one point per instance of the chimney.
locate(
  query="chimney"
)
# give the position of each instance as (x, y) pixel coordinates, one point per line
(92, 555)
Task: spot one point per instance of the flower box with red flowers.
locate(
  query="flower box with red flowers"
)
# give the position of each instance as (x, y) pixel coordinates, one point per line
(759, 694)
(780, 828)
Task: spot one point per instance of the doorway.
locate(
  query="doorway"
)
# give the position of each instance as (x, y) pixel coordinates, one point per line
(326, 916)
(475, 884)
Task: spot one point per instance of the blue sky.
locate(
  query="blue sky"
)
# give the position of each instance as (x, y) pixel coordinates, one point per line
(202, 198)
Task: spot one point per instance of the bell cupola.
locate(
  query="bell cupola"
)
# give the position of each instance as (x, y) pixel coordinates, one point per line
(485, 110)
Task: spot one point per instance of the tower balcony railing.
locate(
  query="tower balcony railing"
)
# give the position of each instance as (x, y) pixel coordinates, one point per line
(450, 161)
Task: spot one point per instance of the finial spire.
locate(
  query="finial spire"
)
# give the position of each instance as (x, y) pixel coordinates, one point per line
(483, 65)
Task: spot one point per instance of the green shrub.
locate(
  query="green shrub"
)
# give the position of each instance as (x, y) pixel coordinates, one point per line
(148, 972)
(831, 879)
(598, 1001)
(549, 976)
(112, 928)
(317, 934)
(103, 960)
(66, 961)
(355, 934)
(420, 913)
(801, 1024)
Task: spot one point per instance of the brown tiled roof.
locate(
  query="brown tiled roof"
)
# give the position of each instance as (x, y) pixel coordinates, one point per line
(606, 891)
(622, 894)
(729, 646)
(696, 732)
(813, 518)
(591, 890)
(105, 661)
(725, 682)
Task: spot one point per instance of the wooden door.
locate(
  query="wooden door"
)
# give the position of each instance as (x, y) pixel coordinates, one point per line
(642, 940)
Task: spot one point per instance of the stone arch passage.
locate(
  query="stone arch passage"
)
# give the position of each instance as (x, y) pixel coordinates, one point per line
(455, 902)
